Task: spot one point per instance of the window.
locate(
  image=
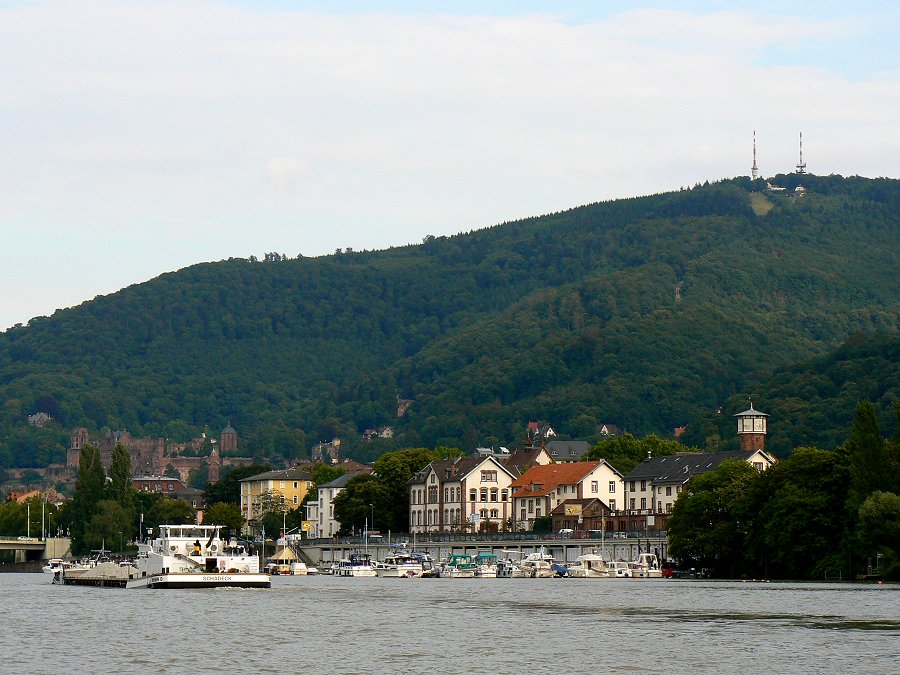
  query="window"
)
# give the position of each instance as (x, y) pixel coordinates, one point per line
(612, 487)
(523, 517)
(612, 504)
(433, 478)
(296, 499)
(631, 504)
(473, 495)
(432, 494)
(484, 494)
(281, 484)
(493, 494)
(595, 487)
(488, 476)
(281, 498)
(668, 490)
(446, 494)
(483, 513)
(643, 503)
(495, 513)
(504, 495)
(296, 484)
(758, 466)
(537, 512)
(668, 507)
(632, 486)
(643, 485)
(530, 506)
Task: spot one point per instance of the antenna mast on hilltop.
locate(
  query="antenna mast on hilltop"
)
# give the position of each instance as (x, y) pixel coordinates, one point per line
(801, 167)
(754, 170)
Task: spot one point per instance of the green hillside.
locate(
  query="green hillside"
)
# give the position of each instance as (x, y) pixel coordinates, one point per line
(812, 403)
(646, 313)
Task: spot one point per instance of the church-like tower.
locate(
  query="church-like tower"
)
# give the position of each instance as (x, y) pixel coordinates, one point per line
(751, 429)
(228, 441)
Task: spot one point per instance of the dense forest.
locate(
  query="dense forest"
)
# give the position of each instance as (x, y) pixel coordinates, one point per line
(647, 313)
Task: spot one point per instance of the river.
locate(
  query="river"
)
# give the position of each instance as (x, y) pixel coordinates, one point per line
(323, 624)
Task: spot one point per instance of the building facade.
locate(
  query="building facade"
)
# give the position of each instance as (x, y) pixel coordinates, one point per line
(462, 494)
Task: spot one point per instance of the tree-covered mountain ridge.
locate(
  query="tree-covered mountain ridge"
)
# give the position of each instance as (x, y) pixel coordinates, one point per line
(646, 313)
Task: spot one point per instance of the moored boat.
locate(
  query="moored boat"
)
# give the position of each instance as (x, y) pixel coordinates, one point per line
(356, 565)
(400, 564)
(589, 566)
(646, 567)
(459, 566)
(486, 565)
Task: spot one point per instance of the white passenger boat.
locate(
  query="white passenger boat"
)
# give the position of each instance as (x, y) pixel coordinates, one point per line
(589, 566)
(357, 565)
(194, 556)
(646, 567)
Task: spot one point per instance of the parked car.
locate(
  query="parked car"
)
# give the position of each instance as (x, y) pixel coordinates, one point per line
(580, 534)
(565, 533)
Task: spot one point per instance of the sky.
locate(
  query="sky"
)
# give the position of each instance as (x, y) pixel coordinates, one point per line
(138, 138)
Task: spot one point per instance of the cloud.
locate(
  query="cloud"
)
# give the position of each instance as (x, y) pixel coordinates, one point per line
(194, 131)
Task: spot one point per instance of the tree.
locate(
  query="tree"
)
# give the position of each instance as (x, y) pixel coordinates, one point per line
(802, 529)
(625, 452)
(228, 488)
(879, 531)
(168, 511)
(227, 515)
(708, 524)
(356, 504)
(88, 491)
(393, 471)
(110, 526)
(120, 485)
(869, 466)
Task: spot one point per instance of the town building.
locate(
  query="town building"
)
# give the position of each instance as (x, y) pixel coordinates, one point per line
(465, 493)
(287, 486)
(542, 488)
(652, 487)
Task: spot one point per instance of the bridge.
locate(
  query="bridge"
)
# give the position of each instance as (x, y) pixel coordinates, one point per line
(30, 549)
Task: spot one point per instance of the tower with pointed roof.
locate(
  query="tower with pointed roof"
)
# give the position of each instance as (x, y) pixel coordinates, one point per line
(228, 441)
(751, 429)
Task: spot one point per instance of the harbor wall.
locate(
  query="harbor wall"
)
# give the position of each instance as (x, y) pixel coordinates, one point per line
(562, 550)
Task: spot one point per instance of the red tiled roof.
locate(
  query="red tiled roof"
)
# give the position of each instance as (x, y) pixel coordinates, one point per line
(550, 476)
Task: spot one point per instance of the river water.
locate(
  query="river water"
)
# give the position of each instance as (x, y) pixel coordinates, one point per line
(323, 624)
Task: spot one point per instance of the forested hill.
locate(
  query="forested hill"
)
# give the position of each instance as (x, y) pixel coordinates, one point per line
(646, 313)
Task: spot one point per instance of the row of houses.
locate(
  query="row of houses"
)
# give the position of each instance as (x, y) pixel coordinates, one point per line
(509, 491)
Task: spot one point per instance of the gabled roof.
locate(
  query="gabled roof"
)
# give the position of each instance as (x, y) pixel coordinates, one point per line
(543, 479)
(678, 468)
(294, 473)
(569, 451)
(523, 459)
(340, 482)
(560, 509)
(453, 470)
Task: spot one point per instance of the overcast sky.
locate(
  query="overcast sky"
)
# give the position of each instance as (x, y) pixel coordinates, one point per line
(142, 137)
